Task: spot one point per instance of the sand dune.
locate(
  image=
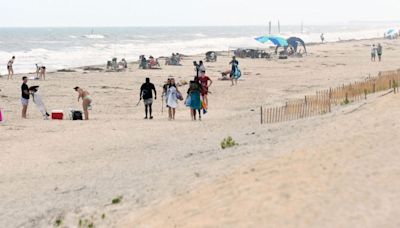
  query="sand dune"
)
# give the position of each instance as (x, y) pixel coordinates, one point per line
(345, 177)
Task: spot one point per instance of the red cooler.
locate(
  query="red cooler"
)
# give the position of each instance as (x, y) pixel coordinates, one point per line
(57, 114)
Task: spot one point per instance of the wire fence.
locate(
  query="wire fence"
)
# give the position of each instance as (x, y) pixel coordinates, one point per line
(323, 101)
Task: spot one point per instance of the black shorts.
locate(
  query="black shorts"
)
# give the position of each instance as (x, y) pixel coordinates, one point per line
(9, 67)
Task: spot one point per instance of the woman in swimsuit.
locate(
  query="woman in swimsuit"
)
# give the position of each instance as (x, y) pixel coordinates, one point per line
(10, 67)
(86, 100)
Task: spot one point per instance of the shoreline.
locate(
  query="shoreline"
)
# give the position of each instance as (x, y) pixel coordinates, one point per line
(224, 52)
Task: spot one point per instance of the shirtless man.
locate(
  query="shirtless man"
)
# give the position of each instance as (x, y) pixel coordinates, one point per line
(86, 100)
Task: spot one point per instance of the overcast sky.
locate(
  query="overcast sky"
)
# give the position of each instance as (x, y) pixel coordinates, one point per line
(42, 13)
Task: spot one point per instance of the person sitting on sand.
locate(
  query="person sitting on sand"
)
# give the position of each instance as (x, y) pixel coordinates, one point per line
(373, 53)
(379, 51)
(10, 68)
(124, 63)
(86, 100)
(204, 79)
(24, 96)
(146, 93)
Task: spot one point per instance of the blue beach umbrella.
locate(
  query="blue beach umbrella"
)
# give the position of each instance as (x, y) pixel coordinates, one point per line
(278, 41)
(390, 31)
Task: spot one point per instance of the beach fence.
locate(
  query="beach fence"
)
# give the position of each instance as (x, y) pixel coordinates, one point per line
(324, 100)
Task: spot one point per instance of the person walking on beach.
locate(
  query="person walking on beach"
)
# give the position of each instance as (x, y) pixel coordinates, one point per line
(379, 51)
(322, 38)
(235, 72)
(193, 100)
(146, 93)
(86, 100)
(373, 53)
(10, 68)
(204, 79)
(164, 93)
(172, 99)
(24, 96)
(197, 68)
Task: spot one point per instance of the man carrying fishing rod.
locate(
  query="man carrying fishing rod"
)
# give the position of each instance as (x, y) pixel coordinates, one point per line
(146, 93)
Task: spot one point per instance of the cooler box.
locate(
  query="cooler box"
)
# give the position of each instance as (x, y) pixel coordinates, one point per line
(57, 114)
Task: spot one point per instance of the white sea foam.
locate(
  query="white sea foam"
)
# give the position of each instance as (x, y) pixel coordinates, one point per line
(94, 36)
(103, 49)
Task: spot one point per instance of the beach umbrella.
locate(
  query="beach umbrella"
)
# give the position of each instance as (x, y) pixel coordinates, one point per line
(390, 31)
(295, 42)
(276, 40)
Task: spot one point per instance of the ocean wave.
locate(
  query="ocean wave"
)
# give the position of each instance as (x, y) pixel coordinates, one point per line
(94, 36)
(199, 35)
(72, 37)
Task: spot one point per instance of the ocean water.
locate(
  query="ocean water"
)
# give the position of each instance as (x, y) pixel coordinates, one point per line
(59, 48)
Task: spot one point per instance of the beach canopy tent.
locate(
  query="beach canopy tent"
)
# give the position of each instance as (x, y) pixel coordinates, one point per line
(392, 33)
(276, 40)
(295, 42)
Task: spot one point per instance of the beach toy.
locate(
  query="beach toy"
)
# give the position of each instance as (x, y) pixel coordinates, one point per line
(57, 114)
(1, 116)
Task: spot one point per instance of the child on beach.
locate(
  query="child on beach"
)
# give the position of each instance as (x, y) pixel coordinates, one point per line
(146, 93)
(10, 68)
(86, 100)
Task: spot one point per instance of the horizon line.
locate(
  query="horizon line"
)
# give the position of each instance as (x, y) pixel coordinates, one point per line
(183, 26)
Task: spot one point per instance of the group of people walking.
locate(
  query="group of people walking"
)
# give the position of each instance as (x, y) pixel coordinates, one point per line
(196, 99)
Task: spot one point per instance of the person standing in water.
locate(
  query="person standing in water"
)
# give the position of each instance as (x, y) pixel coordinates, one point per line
(146, 93)
(86, 100)
(10, 68)
(24, 96)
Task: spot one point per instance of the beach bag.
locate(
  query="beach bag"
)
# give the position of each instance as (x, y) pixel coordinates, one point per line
(188, 101)
(1, 116)
(237, 74)
(179, 96)
(77, 115)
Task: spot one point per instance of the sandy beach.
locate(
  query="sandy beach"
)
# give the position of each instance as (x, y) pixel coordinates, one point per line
(336, 170)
